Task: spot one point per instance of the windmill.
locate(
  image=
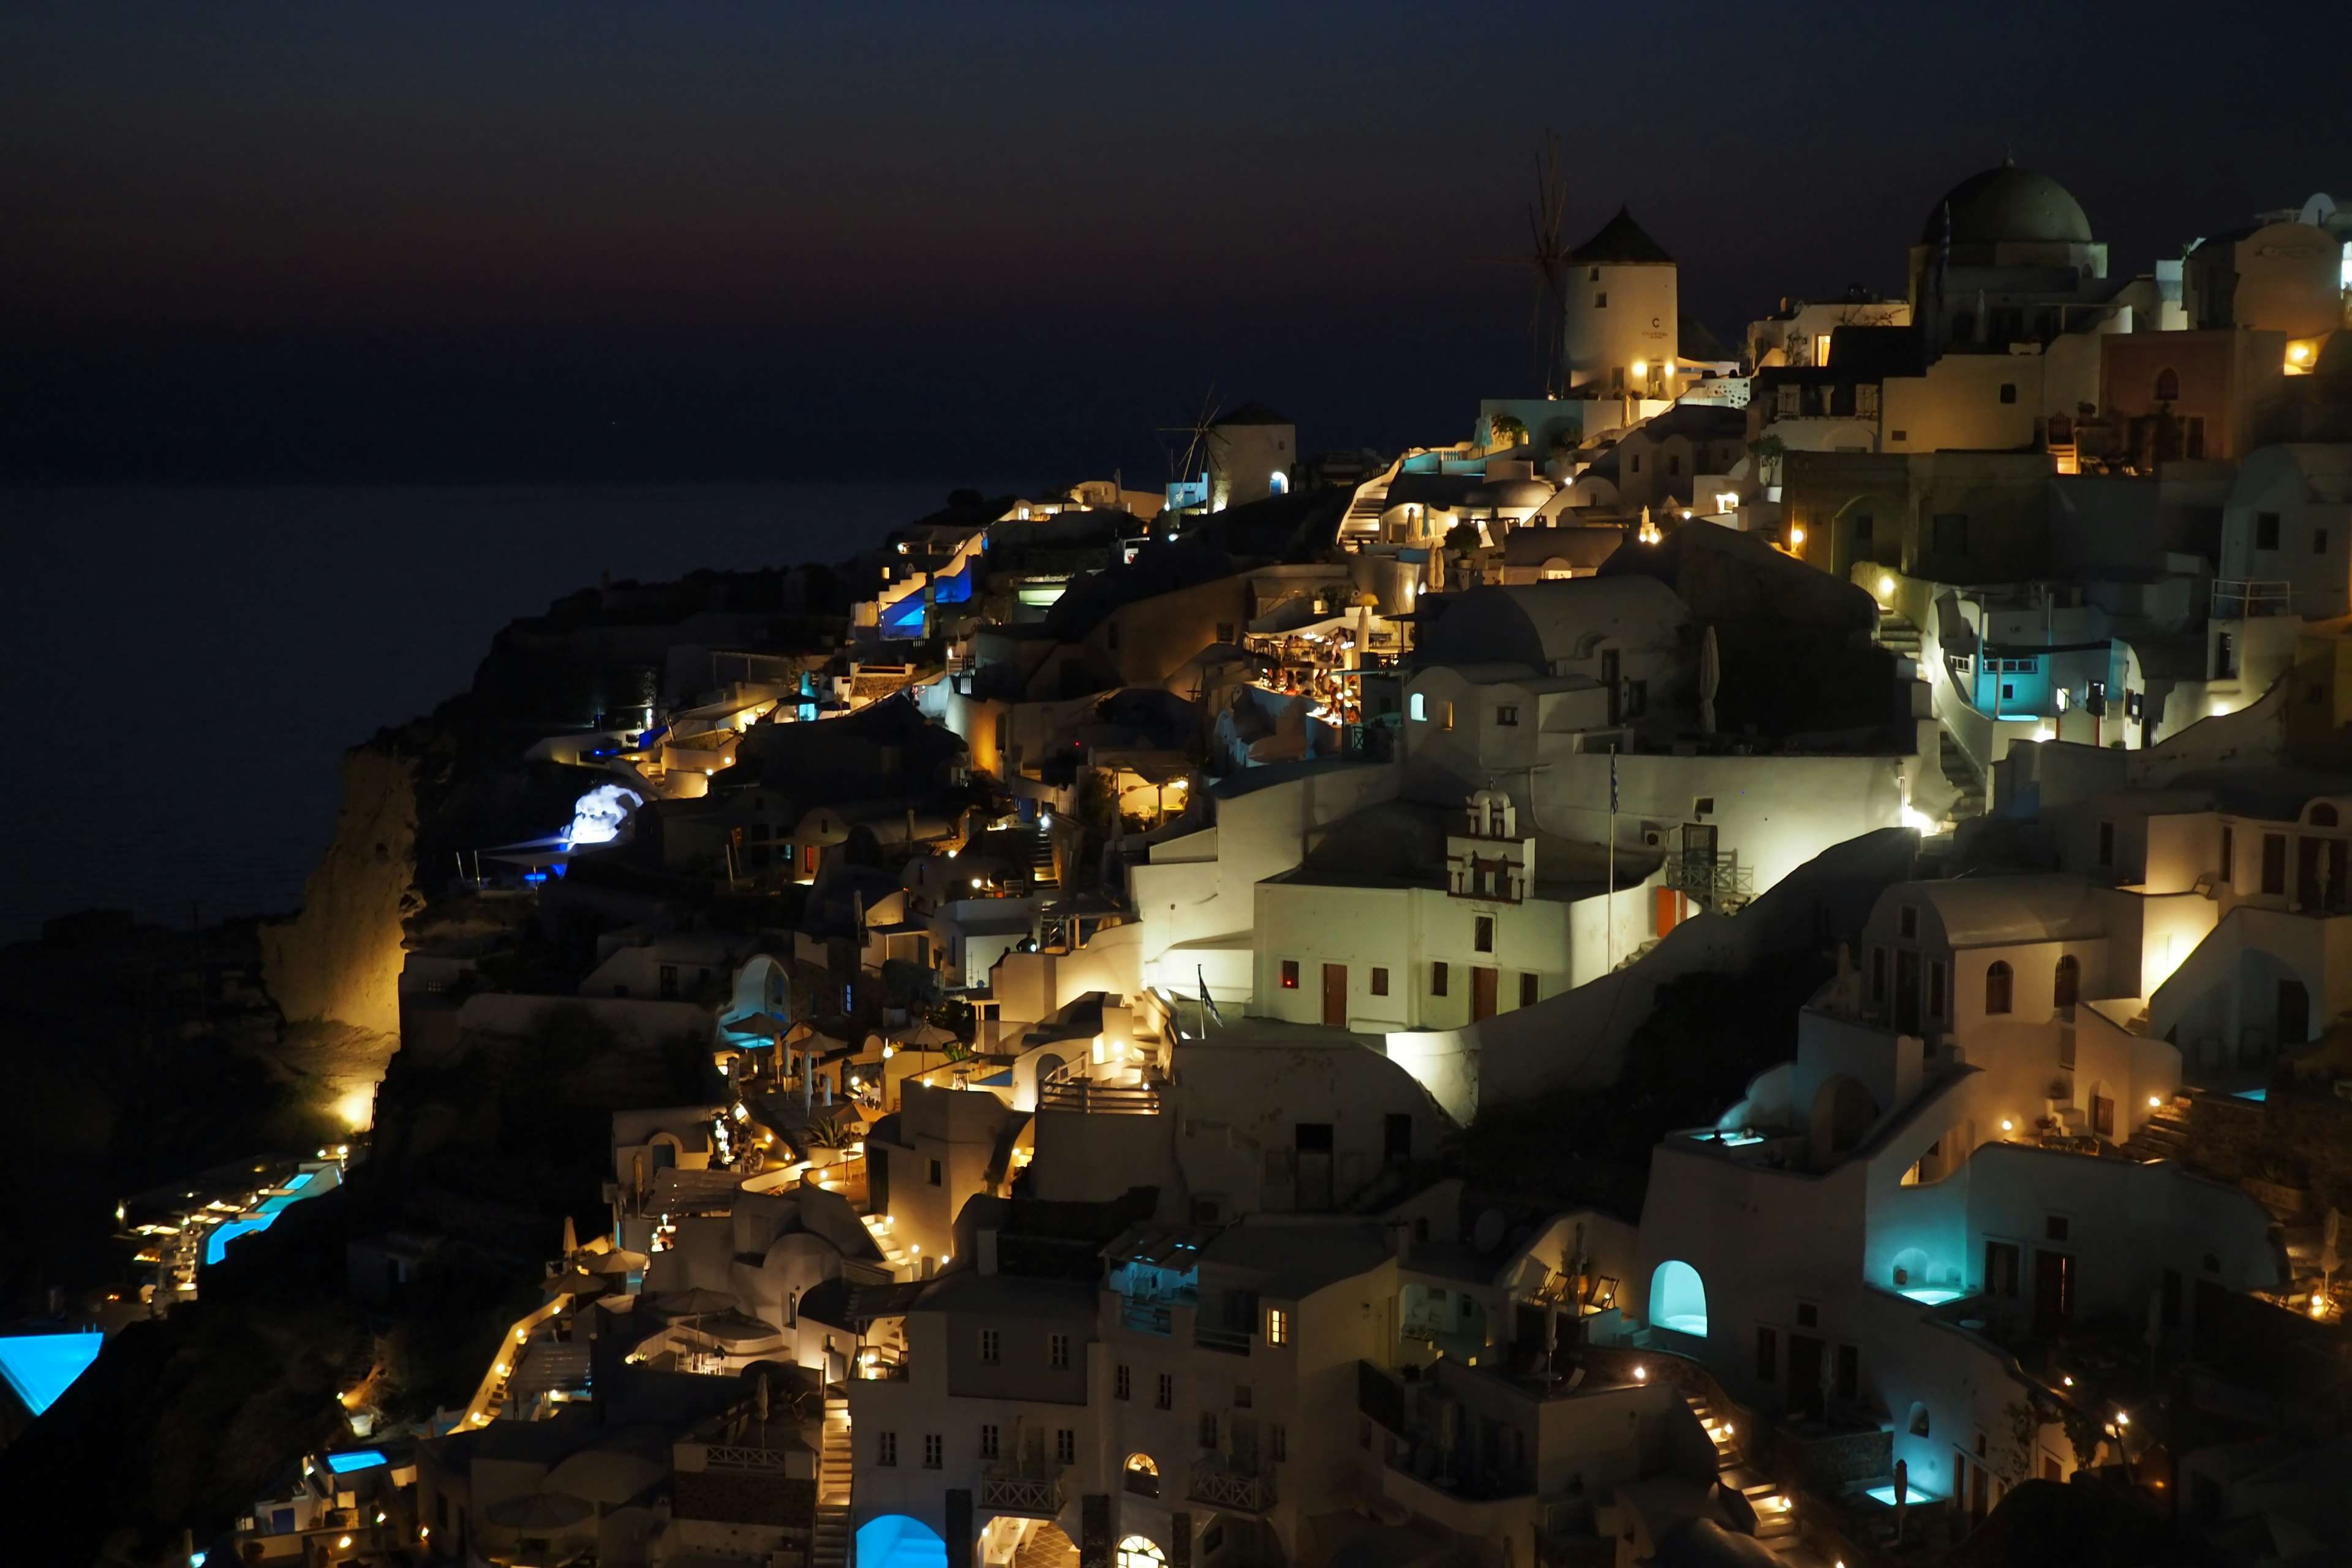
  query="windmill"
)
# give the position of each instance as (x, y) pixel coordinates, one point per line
(1549, 258)
(1202, 440)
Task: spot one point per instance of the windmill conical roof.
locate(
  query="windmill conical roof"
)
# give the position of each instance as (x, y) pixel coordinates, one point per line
(1621, 241)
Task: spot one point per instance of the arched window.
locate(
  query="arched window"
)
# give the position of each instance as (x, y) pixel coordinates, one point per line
(1138, 1551)
(1678, 1299)
(2168, 385)
(1280, 484)
(1143, 1475)
(1919, 1422)
(2068, 984)
(1997, 987)
(2323, 816)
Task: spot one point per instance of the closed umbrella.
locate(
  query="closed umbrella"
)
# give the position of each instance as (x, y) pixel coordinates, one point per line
(1710, 676)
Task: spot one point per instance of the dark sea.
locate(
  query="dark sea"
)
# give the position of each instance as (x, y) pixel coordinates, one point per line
(184, 669)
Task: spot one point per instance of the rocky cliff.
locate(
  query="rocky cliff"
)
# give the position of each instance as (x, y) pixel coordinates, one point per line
(334, 969)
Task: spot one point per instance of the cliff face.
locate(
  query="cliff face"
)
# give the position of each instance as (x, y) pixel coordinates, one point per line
(339, 960)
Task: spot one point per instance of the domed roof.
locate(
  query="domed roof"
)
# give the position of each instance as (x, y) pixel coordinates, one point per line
(2008, 204)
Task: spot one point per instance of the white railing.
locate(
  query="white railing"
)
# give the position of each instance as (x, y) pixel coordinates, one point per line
(2245, 598)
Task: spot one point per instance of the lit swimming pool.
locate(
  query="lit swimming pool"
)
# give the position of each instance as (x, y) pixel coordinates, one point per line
(1933, 1295)
(355, 1459)
(39, 1367)
(1915, 1495)
(216, 1244)
(301, 1185)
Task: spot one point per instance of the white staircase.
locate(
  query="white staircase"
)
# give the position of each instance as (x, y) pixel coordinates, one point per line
(1776, 1511)
(1364, 517)
(879, 1227)
(829, 1539)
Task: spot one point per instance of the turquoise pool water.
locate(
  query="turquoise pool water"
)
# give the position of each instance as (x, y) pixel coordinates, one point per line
(301, 1185)
(1933, 1295)
(39, 1367)
(216, 1244)
(356, 1459)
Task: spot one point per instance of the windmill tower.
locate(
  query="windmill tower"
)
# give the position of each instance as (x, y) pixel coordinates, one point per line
(1188, 478)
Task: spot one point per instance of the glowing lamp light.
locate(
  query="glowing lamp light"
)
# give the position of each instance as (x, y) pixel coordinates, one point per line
(2319, 1305)
(2155, 1102)
(600, 815)
(1796, 535)
(1641, 1374)
(357, 1108)
(2007, 1125)
(1641, 367)
(1886, 586)
(2123, 1418)
(344, 1545)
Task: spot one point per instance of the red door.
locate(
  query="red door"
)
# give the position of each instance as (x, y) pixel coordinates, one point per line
(1482, 994)
(1335, 995)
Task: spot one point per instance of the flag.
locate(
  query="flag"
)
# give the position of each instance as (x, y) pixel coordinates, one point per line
(1208, 1003)
(1612, 784)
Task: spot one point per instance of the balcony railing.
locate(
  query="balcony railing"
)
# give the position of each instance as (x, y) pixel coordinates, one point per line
(1220, 1487)
(1211, 1338)
(1094, 1099)
(1040, 1496)
(2242, 599)
(1147, 1317)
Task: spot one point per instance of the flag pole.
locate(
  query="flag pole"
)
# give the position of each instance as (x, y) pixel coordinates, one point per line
(1609, 905)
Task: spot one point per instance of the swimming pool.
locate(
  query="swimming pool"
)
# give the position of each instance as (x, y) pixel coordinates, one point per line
(39, 1367)
(301, 1185)
(216, 1244)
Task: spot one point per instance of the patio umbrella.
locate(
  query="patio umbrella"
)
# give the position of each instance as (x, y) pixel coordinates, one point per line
(1710, 676)
(693, 1303)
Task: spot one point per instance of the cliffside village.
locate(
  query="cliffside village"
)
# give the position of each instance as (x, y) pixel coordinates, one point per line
(1098, 947)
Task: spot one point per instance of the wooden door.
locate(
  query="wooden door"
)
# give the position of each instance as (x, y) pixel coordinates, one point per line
(1482, 993)
(2294, 1012)
(1335, 995)
(2054, 1287)
(1805, 1352)
(2103, 1115)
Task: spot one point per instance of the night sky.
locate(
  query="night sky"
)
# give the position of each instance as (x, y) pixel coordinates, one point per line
(704, 240)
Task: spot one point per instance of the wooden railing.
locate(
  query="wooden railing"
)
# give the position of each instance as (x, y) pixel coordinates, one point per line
(1036, 1495)
(1223, 1488)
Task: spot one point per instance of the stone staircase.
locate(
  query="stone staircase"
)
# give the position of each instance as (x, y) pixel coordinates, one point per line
(1363, 516)
(2163, 1135)
(879, 1227)
(1899, 634)
(1776, 1511)
(829, 1538)
(1042, 873)
(1961, 775)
